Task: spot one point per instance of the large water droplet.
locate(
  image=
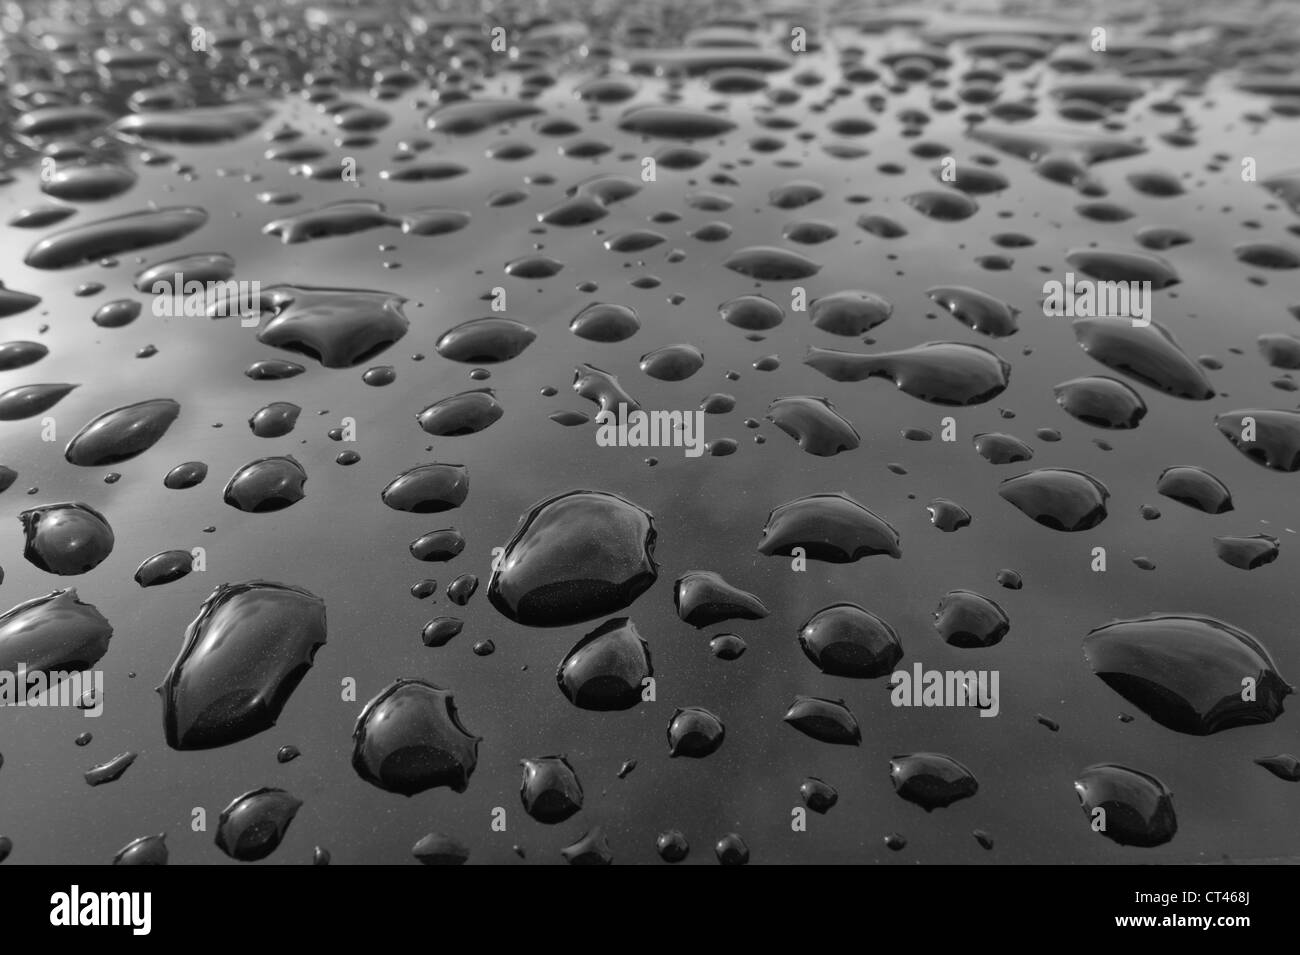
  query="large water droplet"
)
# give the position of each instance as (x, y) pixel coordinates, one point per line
(1059, 498)
(575, 557)
(606, 669)
(242, 657)
(830, 527)
(1138, 809)
(1186, 672)
(409, 738)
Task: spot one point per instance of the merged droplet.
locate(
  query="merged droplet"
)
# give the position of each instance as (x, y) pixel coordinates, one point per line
(942, 373)
(242, 657)
(338, 327)
(1192, 674)
(575, 557)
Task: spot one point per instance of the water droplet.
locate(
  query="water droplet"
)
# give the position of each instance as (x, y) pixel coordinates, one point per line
(439, 849)
(694, 732)
(575, 557)
(828, 721)
(967, 619)
(1247, 553)
(943, 373)
(409, 738)
(147, 850)
(550, 790)
(931, 780)
(846, 640)
(1139, 810)
(466, 413)
(1277, 436)
(163, 568)
(428, 489)
(1104, 402)
(1059, 498)
(1195, 487)
(122, 434)
(485, 340)
(830, 527)
(1146, 354)
(111, 770)
(948, 515)
(242, 657)
(254, 824)
(267, 484)
(605, 670)
(1186, 672)
(66, 539)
